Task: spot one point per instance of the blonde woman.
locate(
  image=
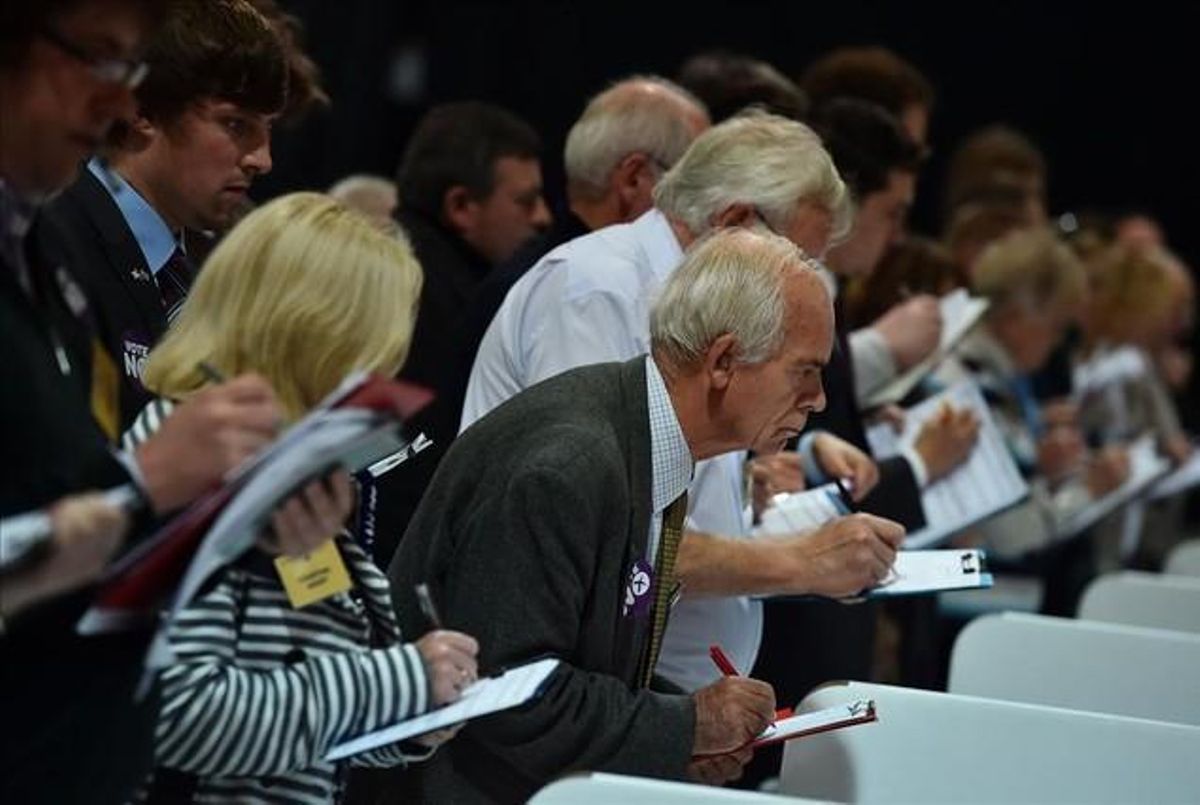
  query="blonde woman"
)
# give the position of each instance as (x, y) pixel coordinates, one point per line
(302, 292)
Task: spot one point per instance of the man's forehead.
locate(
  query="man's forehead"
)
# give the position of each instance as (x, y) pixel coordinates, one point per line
(112, 27)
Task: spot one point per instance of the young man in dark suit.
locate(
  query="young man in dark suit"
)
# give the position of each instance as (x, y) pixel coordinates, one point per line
(552, 524)
(176, 172)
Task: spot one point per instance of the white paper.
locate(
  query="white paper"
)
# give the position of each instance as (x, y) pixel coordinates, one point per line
(798, 512)
(960, 313)
(986, 483)
(843, 715)
(1107, 369)
(1181, 479)
(490, 695)
(931, 571)
(1145, 467)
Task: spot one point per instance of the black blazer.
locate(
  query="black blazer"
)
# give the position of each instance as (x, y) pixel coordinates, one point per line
(109, 262)
(526, 537)
(71, 696)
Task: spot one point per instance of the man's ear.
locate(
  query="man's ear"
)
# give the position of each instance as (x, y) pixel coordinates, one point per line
(633, 182)
(739, 214)
(720, 361)
(137, 134)
(459, 209)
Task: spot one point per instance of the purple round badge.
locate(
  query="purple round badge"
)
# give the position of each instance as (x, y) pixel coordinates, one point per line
(637, 590)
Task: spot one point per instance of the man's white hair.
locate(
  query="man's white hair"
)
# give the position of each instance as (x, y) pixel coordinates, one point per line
(731, 281)
(763, 160)
(642, 114)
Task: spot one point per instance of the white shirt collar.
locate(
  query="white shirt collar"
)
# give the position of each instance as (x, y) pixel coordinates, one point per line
(671, 463)
(151, 232)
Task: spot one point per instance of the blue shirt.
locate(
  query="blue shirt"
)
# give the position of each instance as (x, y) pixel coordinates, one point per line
(151, 232)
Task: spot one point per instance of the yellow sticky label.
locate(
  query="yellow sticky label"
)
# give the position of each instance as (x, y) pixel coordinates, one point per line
(313, 577)
(106, 407)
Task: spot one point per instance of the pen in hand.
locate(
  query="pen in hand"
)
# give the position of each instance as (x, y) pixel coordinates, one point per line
(425, 601)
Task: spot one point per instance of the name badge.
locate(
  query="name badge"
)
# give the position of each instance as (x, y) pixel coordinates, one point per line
(638, 585)
(313, 577)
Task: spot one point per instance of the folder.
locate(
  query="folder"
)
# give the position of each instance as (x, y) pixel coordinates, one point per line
(960, 313)
(513, 688)
(357, 425)
(802, 725)
(922, 572)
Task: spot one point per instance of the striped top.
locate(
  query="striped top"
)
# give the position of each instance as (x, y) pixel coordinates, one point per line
(261, 690)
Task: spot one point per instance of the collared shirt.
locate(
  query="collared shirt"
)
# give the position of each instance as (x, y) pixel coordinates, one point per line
(588, 301)
(671, 461)
(151, 232)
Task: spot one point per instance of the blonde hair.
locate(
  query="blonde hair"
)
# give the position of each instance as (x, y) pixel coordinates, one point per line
(1031, 268)
(731, 281)
(759, 159)
(1130, 284)
(302, 291)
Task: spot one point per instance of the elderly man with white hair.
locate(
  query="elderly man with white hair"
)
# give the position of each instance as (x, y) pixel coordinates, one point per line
(553, 527)
(589, 301)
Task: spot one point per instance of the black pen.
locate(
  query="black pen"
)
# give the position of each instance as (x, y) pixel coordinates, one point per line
(425, 601)
(847, 498)
(210, 372)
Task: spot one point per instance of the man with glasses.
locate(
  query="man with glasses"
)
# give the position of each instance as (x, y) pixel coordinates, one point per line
(73, 732)
(176, 169)
(589, 302)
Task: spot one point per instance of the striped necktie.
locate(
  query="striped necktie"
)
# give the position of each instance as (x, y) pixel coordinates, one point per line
(665, 583)
(174, 280)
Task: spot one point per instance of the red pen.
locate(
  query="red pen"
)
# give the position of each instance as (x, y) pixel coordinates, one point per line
(718, 656)
(727, 668)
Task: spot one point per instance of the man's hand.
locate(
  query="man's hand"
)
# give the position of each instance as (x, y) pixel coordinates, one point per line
(451, 663)
(1060, 453)
(774, 474)
(720, 769)
(307, 519)
(205, 437)
(1107, 470)
(87, 532)
(844, 557)
(912, 330)
(731, 713)
(1177, 448)
(840, 459)
(946, 440)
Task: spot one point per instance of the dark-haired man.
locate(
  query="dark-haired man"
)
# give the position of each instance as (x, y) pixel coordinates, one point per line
(180, 167)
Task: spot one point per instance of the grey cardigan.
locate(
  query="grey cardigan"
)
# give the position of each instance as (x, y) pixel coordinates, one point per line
(526, 536)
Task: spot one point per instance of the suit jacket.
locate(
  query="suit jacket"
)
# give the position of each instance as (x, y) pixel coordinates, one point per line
(526, 537)
(72, 696)
(130, 317)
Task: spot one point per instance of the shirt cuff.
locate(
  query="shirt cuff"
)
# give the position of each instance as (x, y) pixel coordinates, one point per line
(808, 459)
(919, 470)
(128, 460)
(874, 365)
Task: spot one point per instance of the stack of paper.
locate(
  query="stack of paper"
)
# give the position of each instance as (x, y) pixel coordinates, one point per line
(960, 313)
(1146, 467)
(1107, 369)
(354, 427)
(798, 512)
(513, 688)
(831, 718)
(986, 483)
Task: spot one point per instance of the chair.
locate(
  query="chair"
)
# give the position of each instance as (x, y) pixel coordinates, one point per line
(939, 747)
(1144, 599)
(1081, 665)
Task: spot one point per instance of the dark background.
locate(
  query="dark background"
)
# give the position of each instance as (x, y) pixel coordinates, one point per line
(1105, 92)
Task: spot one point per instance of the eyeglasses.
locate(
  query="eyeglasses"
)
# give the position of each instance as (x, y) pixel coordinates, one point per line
(126, 72)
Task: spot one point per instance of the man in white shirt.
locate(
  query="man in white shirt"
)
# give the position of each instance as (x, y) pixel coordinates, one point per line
(588, 301)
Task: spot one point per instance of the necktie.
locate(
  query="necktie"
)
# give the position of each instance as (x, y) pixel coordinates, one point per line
(174, 280)
(665, 583)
